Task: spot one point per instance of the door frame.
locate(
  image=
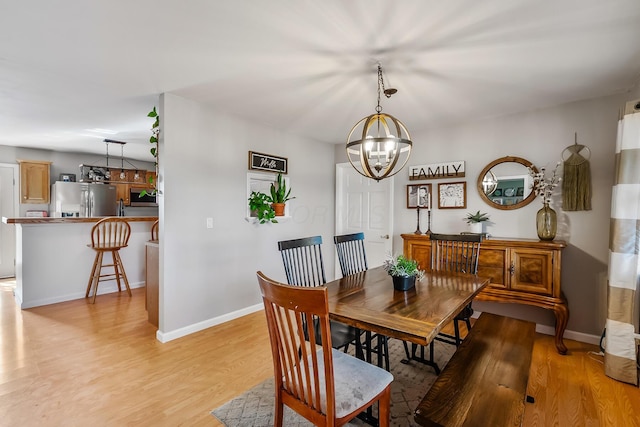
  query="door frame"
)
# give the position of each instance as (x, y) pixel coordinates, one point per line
(16, 201)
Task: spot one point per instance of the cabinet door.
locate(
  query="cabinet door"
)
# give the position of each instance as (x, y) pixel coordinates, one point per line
(122, 192)
(34, 182)
(531, 270)
(493, 263)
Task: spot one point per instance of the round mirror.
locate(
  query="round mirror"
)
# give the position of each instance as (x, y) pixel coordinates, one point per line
(506, 184)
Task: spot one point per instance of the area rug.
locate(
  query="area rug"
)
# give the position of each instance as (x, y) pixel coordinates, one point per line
(254, 408)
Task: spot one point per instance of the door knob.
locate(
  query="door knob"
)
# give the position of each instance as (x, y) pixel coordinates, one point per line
(386, 236)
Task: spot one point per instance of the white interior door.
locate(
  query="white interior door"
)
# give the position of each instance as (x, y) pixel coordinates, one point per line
(365, 205)
(8, 208)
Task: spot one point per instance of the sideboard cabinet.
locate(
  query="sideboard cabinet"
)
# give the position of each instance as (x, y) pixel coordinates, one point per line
(522, 271)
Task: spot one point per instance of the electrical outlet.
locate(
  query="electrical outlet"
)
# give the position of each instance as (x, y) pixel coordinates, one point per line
(209, 222)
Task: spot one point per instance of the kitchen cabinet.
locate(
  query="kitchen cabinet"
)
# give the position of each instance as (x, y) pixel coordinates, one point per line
(522, 271)
(34, 181)
(131, 179)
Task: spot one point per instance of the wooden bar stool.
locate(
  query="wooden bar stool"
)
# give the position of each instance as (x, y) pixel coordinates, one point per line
(108, 235)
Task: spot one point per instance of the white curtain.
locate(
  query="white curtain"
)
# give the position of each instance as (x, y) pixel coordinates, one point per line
(624, 265)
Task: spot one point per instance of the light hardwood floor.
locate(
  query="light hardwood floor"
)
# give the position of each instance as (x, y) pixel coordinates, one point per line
(78, 364)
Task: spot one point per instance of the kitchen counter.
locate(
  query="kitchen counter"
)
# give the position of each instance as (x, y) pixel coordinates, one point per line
(53, 262)
(71, 220)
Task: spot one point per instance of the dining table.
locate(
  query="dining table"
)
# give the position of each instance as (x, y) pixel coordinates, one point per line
(368, 301)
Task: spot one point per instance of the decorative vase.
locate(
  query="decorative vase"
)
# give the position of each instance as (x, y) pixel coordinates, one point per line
(546, 223)
(278, 208)
(401, 283)
(475, 227)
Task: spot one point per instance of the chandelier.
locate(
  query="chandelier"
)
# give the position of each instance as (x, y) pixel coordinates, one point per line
(384, 146)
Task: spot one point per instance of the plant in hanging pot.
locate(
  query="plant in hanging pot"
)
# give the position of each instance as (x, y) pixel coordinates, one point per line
(260, 206)
(403, 271)
(546, 218)
(475, 221)
(279, 195)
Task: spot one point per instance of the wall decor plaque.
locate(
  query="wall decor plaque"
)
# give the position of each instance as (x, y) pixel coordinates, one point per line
(267, 162)
(437, 170)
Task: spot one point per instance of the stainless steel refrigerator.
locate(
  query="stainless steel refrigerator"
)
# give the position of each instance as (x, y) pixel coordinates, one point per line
(97, 200)
(72, 199)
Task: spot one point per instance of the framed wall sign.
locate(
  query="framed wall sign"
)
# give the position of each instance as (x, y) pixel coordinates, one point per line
(267, 162)
(419, 195)
(452, 195)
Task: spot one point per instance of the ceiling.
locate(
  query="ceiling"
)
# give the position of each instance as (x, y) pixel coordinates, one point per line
(69, 67)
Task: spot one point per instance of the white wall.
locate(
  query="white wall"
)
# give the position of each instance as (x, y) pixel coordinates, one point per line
(539, 136)
(207, 274)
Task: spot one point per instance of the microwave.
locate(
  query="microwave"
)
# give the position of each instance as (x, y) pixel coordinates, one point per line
(147, 200)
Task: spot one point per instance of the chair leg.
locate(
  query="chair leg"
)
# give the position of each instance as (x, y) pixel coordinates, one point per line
(457, 333)
(383, 407)
(122, 273)
(278, 416)
(115, 269)
(97, 276)
(93, 272)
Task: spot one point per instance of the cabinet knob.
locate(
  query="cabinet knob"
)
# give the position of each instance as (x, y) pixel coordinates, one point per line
(512, 269)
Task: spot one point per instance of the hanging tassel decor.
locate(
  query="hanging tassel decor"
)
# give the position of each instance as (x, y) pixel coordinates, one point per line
(576, 180)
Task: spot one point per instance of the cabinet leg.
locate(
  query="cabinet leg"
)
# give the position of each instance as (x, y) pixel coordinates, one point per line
(562, 317)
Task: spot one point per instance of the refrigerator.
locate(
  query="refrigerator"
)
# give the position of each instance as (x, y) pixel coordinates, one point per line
(81, 199)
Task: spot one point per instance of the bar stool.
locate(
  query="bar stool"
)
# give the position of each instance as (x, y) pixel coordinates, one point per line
(154, 230)
(108, 235)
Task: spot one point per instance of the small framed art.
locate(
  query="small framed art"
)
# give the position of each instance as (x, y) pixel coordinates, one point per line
(419, 195)
(452, 195)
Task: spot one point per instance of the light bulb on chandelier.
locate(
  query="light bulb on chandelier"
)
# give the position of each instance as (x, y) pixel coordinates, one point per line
(379, 153)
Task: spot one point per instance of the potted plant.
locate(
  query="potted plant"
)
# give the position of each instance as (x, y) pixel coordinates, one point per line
(279, 195)
(475, 221)
(403, 271)
(260, 205)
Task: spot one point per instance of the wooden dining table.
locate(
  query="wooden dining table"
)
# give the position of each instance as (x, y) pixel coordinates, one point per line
(368, 301)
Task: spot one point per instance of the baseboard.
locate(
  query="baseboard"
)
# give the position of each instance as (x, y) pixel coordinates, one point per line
(550, 330)
(102, 289)
(196, 327)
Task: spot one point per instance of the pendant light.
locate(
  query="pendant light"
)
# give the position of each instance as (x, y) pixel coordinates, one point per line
(384, 146)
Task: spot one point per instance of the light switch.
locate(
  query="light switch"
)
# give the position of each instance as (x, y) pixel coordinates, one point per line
(209, 222)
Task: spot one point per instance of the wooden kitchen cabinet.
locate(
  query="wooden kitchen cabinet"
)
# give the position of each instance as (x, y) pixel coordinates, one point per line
(522, 271)
(34, 181)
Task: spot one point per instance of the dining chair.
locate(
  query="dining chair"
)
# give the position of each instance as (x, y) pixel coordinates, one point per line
(353, 259)
(304, 266)
(456, 253)
(108, 235)
(324, 385)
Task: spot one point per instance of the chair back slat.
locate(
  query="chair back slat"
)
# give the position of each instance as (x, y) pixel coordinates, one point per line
(110, 232)
(351, 253)
(455, 252)
(303, 369)
(303, 263)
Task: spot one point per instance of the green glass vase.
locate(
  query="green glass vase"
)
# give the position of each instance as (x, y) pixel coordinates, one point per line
(546, 223)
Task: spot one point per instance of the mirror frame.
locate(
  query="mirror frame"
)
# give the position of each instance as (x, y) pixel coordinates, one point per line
(506, 159)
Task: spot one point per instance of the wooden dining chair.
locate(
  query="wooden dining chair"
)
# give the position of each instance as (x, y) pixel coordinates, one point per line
(456, 253)
(324, 385)
(353, 259)
(108, 235)
(304, 266)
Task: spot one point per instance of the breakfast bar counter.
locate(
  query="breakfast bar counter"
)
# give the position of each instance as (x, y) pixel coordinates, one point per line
(53, 262)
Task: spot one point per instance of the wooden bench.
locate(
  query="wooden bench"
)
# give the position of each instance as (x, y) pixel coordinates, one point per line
(485, 382)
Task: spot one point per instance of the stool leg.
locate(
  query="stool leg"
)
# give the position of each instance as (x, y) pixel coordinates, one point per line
(97, 276)
(122, 272)
(114, 257)
(93, 272)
